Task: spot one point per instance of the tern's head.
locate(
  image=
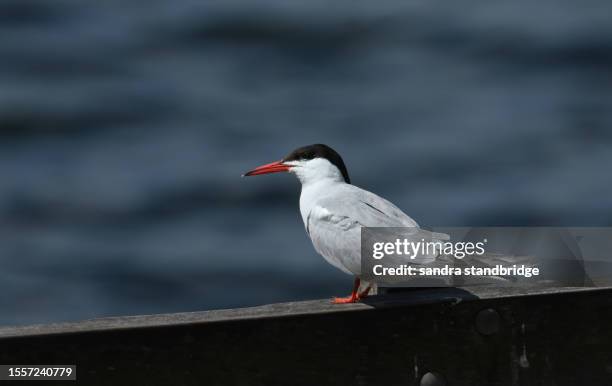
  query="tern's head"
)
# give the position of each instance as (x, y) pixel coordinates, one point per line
(310, 163)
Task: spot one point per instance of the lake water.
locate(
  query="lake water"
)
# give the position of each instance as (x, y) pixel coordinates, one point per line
(125, 127)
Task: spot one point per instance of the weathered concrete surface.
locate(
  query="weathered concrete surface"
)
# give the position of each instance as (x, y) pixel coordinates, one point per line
(471, 336)
(406, 298)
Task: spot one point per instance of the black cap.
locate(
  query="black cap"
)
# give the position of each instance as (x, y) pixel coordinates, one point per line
(319, 151)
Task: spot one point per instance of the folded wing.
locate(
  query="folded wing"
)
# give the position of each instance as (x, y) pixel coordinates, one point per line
(335, 225)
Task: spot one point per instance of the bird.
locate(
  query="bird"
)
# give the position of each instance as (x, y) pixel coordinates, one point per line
(334, 210)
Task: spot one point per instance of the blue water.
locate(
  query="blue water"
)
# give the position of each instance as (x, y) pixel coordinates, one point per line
(125, 127)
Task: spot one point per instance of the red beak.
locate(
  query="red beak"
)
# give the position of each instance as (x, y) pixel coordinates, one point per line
(273, 167)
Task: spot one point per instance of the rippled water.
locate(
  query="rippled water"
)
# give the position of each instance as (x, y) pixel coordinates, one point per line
(125, 126)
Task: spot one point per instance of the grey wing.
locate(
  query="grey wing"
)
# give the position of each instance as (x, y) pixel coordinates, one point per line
(337, 238)
(372, 210)
(382, 213)
(334, 225)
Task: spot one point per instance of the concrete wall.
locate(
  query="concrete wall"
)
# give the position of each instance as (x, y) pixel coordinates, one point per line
(424, 336)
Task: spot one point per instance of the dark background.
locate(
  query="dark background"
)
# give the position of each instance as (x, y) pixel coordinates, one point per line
(125, 127)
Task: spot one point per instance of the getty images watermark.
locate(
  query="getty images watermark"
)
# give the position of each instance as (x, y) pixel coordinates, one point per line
(427, 251)
(501, 256)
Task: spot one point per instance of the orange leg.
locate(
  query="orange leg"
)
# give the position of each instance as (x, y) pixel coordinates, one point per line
(355, 295)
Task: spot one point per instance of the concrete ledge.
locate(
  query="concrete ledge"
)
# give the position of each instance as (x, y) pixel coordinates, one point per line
(405, 298)
(454, 336)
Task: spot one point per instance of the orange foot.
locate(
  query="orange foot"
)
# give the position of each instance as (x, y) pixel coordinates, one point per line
(355, 296)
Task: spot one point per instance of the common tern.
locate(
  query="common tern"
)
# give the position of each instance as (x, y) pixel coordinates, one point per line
(334, 211)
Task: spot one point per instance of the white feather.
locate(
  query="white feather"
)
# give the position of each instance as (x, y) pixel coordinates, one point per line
(334, 212)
